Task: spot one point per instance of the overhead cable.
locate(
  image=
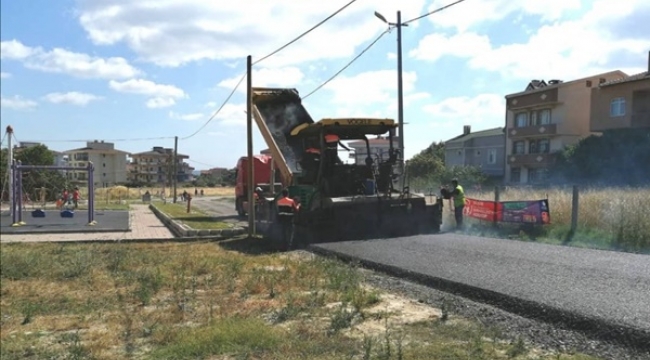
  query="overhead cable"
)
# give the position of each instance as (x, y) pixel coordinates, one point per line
(347, 65)
(432, 12)
(264, 58)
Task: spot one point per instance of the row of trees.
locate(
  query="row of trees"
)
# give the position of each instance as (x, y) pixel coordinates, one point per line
(617, 157)
(427, 170)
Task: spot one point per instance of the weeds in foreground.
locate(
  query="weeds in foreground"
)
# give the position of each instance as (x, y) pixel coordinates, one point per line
(189, 301)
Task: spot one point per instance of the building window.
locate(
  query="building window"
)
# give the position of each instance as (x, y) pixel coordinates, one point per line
(521, 120)
(536, 176)
(460, 152)
(617, 107)
(533, 118)
(477, 153)
(518, 147)
(515, 175)
(545, 117)
(543, 146)
(492, 156)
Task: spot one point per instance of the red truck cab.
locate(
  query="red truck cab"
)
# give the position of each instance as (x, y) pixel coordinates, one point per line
(261, 178)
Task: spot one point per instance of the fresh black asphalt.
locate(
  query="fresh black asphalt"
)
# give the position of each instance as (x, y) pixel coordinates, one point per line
(107, 221)
(593, 286)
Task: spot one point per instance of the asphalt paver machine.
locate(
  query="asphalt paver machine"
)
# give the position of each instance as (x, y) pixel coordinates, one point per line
(338, 201)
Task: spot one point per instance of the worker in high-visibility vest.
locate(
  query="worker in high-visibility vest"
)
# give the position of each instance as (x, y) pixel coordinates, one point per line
(458, 196)
(287, 208)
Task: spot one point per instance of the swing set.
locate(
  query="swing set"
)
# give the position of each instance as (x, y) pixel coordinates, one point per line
(17, 203)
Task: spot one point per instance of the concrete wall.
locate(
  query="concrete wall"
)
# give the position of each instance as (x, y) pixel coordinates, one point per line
(637, 102)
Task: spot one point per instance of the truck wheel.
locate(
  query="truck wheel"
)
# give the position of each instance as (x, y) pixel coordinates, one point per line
(239, 206)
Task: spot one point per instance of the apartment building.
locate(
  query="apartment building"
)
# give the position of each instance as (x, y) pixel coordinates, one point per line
(621, 104)
(379, 149)
(484, 149)
(110, 163)
(155, 166)
(544, 119)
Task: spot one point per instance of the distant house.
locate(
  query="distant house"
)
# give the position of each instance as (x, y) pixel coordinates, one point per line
(484, 149)
(110, 163)
(156, 166)
(379, 149)
(214, 172)
(622, 103)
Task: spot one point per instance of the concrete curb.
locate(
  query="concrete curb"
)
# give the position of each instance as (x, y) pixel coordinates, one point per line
(181, 230)
(598, 328)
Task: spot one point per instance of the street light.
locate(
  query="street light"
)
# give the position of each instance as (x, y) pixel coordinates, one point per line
(400, 93)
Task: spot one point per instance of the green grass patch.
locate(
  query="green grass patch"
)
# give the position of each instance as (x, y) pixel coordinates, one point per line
(196, 218)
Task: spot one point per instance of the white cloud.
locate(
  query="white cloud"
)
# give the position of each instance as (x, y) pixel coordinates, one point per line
(186, 117)
(17, 103)
(15, 50)
(211, 104)
(230, 30)
(369, 87)
(67, 62)
(73, 97)
(466, 45)
(156, 103)
(161, 95)
(232, 114)
(391, 56)
(471, 14)
(481, 109)
(4, 75)
(265, 77)
(591, 44)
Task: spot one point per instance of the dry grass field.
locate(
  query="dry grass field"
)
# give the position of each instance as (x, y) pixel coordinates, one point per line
(117, 193)
(203, 301)
(611, 217)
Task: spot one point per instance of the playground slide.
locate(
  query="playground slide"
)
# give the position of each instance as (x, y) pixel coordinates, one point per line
(277, 111)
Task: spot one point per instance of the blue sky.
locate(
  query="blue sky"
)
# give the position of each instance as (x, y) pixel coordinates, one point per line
(119, 70)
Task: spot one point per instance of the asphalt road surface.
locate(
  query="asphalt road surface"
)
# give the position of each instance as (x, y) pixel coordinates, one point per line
(222, 208)
(611, 287)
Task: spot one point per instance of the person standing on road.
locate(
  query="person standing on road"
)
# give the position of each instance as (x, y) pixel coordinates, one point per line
(456, 197)
(76, 197)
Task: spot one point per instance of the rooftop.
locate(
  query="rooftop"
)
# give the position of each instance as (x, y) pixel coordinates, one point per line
(539, 86)
(636, 77)
(482, 133)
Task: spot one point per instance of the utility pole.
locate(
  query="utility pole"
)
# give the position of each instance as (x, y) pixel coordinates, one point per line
(249, 140)
(400, 89)
(175, 167)
(10, 153)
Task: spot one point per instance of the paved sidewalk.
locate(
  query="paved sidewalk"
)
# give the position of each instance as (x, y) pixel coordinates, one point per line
(144, 225)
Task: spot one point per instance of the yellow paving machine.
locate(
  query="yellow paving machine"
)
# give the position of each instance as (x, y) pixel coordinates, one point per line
(338, 201)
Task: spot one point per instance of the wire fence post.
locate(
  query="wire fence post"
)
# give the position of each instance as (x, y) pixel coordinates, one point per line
(497, 198)
(575, 206)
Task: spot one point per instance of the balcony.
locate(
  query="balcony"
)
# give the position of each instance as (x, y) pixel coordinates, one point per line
(531, 131)
(531, 159)
(640, 119)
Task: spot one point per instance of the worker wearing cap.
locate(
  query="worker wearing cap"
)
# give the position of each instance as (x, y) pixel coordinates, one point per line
(310, 163)
(287, 208)
(458, 195)
(331, 149)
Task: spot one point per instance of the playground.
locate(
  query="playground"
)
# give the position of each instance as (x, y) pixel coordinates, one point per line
(52, 222)
(67, 218)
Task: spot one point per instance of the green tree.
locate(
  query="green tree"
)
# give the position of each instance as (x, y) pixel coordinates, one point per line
(34, 180)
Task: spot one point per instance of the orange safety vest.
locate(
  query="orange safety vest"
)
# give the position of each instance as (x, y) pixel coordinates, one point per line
(312, 151)
(331, 138)
(286, 205)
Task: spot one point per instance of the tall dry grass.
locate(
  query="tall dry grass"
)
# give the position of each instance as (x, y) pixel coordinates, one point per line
(618, 215)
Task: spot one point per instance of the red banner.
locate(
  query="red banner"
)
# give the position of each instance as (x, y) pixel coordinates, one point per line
(528, 212)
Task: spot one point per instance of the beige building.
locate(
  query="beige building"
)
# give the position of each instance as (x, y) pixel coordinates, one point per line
(544, 119)
(156, 166)
(622, 103)
(110, 164)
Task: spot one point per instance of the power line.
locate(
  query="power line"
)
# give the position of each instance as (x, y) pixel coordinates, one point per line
(306, 32)
(264, 58)
(218, 110)
(348, 64)
(432, 12)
